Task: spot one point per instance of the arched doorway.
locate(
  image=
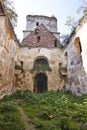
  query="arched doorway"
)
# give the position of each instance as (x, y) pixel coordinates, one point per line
(40, 83)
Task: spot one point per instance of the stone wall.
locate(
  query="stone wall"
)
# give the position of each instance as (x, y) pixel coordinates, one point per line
(7, 57)
(77, 59)
(25, 78)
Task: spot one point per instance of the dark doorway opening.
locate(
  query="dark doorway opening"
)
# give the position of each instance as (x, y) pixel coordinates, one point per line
(40, 83)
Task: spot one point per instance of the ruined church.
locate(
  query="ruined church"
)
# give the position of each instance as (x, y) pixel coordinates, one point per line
(40, 63)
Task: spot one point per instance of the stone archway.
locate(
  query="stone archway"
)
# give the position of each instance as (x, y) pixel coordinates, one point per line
(78, 51)
(78, 47)
(40, 83)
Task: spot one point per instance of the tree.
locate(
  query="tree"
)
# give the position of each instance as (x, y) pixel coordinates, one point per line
(70, 22)
(64, 38)
(83, 8)
(11, 12)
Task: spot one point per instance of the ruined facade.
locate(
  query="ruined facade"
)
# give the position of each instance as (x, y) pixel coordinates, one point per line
(41, 55)
(76, 50)
(40, 63)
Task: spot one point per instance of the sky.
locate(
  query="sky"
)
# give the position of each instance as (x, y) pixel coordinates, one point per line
(61, 9)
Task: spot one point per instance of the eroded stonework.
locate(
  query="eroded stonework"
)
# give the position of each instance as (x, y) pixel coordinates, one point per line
(28, 56)
(40, 63)
(76, 49)
(39, 49)
(8, 55)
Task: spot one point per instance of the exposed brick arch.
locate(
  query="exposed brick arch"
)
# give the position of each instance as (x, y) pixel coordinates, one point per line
(78, 50)
(77, 45)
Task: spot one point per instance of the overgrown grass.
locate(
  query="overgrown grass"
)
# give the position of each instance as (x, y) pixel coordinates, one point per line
(55, 110)
(47, 111)
(10, 118)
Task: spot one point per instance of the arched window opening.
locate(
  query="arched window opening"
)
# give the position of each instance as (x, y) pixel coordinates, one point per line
(62, 69)
(38, 38)
(36, 31)
(41, 64)
(21, 63)
(55, 43)
(77, 44)
(60, 64)
(37, 23)
(66, 54)
(66, 58)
